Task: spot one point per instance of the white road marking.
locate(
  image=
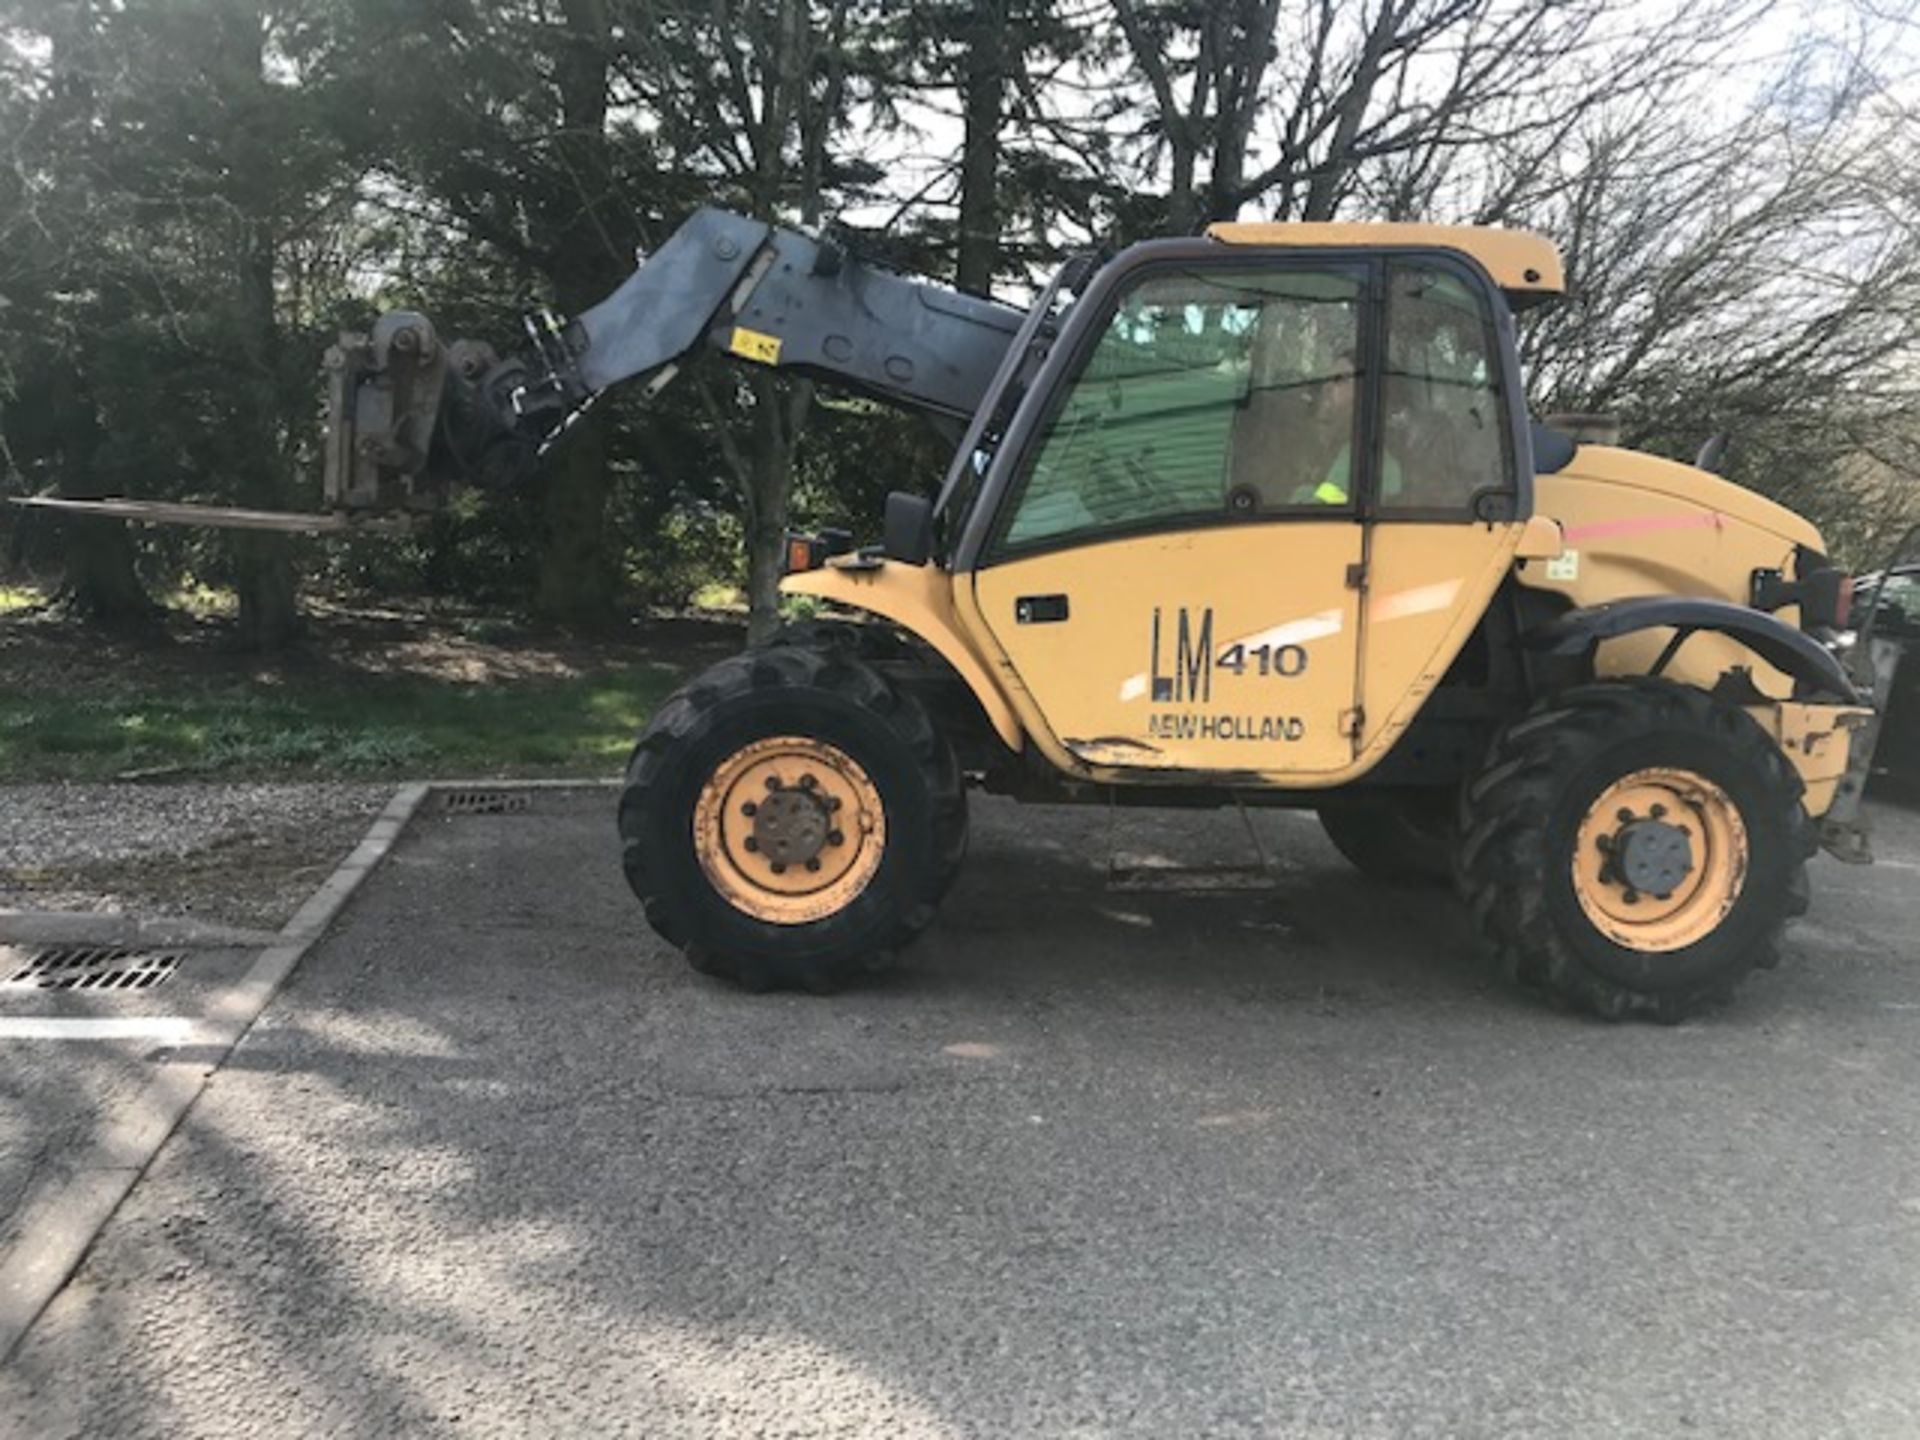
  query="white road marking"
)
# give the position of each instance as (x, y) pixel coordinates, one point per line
(170, 1029)
(64, 1216)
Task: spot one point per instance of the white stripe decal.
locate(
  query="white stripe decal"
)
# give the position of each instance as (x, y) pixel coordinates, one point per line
(170, 1029)
(1422, 600)
(1294, 632)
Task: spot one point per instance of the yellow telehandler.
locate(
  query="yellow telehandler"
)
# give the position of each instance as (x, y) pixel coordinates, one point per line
(1258, 517)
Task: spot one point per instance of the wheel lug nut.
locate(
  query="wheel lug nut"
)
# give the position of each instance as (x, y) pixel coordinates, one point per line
(807, 782)
(1632, 897)
(833, 802)
(834, 837)
(752, 844)
(1604, 844)
(1623, 815)
(773, 782)
(1658, 811)
(813, 864)
(749, 809)
(778, 868)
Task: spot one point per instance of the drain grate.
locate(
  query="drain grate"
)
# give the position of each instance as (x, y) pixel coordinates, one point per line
(483, 802)
(87, 967)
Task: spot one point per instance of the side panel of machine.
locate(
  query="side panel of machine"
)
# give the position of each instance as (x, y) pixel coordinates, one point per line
(918, 598)
(1223, 649)
(1623, 540)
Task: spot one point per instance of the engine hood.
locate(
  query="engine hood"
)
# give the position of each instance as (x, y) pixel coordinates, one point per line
(1671, 481)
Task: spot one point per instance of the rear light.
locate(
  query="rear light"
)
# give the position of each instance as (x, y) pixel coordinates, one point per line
(810, 552)
(1823, 592)
(801, 553)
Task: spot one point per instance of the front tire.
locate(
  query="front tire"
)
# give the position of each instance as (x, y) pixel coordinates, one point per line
(1635, 847)
(790, 819)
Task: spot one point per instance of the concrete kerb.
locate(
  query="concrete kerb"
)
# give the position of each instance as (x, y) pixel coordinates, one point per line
(59, 1222)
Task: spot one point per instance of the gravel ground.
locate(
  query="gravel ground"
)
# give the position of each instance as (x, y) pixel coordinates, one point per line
(243, 853)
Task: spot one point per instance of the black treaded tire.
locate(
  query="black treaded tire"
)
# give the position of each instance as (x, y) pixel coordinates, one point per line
(822, 693)
(864, 639)
(1396, 837)
(1519, 820)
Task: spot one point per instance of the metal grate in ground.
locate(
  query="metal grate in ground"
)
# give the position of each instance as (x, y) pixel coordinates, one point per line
(483, 802)
(85, 967)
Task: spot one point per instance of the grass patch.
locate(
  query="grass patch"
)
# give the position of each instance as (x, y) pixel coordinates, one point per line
(719, 595)
(368, 725)
(202, 601)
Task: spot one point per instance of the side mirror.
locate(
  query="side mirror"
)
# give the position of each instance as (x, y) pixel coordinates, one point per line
(907, 534)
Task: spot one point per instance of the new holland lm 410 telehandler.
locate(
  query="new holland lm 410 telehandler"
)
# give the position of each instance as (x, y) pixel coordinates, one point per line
(1258, 517)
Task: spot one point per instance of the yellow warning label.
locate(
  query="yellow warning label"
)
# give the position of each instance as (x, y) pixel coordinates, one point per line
(752, 345)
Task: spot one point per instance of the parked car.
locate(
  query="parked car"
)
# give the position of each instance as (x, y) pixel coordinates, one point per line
(1896, 764)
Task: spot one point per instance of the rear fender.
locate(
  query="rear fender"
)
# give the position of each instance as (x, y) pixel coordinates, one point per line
(1579, 632)
(919, 599)
(1814, 734)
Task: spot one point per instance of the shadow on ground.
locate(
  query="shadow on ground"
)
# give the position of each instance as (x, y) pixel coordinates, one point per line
(1095, 1163)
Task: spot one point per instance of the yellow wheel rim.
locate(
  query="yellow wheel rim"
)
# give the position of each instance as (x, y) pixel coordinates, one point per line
(789, 829)
(1657, 828)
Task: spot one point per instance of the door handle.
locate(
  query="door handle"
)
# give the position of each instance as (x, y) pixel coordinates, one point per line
(1040, 609)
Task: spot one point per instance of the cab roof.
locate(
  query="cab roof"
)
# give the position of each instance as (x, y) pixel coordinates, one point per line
(1522, 263)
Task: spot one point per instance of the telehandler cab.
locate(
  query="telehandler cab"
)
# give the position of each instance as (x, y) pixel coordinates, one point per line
(1253, 518)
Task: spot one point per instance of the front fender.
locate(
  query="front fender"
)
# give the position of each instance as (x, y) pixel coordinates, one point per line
(919, 599)
(1793, 651)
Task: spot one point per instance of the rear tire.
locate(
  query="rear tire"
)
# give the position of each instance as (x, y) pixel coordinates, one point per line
(1545, 871)
(1397, 837)
(788, 717)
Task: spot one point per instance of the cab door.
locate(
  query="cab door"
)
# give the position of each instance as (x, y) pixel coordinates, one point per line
(1448, 500)
(1172, 578)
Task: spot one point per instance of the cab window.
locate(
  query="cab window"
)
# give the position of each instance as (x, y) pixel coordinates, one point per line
(1444, 435)
(1210, 394)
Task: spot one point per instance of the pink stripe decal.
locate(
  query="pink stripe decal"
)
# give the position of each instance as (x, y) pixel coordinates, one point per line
(1641, 525)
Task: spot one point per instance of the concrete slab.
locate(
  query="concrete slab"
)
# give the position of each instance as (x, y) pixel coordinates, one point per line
(69, 927)
(1277, 1162)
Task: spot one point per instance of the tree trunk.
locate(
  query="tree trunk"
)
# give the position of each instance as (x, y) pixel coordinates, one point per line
(101, 583)
(262, 563)
(1183, 206)
(264, 578)
(778, 418)
(577, 574)
(575, 585)
(984, 82)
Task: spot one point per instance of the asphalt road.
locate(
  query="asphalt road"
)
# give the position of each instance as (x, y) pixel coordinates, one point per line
(1098, 1162)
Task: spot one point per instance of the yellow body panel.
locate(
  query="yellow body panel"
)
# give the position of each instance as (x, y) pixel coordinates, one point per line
(1518, 260)
(1242, 654)
(1633, 524)
(1134, 680)
(1429, 585)
(918, 598)
(1816, 738)
(1238, 652)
